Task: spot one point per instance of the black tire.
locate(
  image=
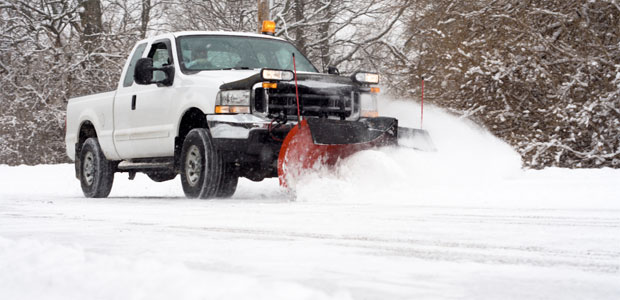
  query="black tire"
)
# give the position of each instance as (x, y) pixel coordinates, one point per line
(161, 176)
(96, 172)
(228, 186)
(201, 165)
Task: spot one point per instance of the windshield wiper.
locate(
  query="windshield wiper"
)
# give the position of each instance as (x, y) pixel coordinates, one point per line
(238, 68)
(227, 69)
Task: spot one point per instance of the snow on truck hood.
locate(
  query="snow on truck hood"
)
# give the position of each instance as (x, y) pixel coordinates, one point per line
(226, 76)
(222, 76)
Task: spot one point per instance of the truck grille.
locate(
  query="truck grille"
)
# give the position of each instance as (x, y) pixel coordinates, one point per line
(274, 102)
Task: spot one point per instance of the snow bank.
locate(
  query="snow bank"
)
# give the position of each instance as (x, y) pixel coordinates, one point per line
(31, 269)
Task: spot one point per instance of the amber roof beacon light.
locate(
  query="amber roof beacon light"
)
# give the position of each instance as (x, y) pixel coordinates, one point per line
(269, 27)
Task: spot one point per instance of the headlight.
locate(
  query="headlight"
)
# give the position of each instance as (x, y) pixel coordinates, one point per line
(236, 101)
(364, 77)
(269, 74)
(238, 97)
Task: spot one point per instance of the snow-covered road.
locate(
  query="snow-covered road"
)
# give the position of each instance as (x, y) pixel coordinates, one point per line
(389, 224)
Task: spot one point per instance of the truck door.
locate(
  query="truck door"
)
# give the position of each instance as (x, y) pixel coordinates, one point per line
(150, 111)
(126, 91)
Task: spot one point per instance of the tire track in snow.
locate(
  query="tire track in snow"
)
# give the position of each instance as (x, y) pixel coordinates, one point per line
(595, 261)
(539, 220)
(425, 249)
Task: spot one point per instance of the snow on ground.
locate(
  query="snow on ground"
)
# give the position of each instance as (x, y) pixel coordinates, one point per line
(463, 222)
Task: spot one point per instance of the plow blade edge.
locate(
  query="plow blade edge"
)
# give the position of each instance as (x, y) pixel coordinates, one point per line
(418, 139)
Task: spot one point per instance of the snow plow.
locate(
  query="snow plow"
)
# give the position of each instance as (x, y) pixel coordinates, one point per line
(316, 142)
(323, 141)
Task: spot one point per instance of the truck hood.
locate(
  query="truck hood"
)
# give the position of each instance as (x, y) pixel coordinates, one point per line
(316, 81)
(246, 79)
(222, 76)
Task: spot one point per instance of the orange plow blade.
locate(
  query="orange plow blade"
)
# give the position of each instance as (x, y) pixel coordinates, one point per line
(316, 142)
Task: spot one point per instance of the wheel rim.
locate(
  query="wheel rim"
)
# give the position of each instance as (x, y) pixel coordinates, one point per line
(89, 168)
(193, 165)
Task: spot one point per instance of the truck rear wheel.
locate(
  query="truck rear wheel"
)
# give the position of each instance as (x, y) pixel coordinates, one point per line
(201, 165)
(96, 172)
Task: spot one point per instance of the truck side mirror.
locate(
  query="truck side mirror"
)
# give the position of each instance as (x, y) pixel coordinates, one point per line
(143, 73)
(333, 70)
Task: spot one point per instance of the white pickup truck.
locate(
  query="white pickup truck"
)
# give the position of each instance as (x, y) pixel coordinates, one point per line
(210, 106)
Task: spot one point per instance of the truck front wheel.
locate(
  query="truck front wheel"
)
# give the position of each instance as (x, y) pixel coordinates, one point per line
(201, 165)
(228, 186)
(96, 172)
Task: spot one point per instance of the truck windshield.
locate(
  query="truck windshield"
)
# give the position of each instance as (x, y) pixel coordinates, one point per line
(203, 52)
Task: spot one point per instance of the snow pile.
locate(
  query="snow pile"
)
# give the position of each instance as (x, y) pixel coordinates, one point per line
(30, 269)
(467, 156)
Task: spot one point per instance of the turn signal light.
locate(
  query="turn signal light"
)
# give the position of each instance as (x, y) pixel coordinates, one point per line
(375, 90)
(225, 109)
(269, 27)
(270, 85)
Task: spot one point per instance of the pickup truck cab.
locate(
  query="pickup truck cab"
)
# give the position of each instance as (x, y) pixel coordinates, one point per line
(210, 106)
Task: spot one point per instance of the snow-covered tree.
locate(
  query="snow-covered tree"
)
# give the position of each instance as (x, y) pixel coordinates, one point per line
(543, 75)
(51, 51)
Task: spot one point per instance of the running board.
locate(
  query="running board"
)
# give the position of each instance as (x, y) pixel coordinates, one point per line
(138, 166)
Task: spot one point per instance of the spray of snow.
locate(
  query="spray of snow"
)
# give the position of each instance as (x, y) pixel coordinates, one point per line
(467, 157)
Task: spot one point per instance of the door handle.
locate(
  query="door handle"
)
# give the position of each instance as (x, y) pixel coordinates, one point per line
(133, 102)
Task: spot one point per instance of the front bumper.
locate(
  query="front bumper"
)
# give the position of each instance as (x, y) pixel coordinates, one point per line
(247, 142)
(245, 130)
(235, 126)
